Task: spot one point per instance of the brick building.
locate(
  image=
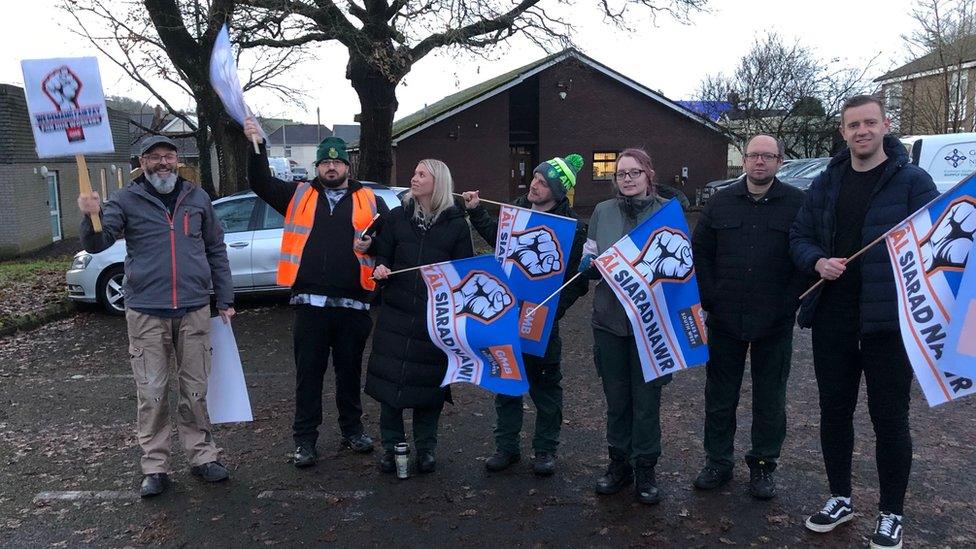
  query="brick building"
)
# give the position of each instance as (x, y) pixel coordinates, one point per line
(493, 134)
(38, 197)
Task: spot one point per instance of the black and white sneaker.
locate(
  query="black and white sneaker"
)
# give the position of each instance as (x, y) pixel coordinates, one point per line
(887, 534)
(836, 511)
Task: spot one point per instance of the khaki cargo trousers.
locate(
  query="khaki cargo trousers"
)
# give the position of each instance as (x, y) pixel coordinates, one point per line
(152, 341)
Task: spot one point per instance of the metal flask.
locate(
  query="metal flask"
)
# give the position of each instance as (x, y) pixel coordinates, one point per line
(402, 456)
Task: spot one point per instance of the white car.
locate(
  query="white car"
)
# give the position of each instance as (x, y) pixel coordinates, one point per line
(252, 232)
(948, 158)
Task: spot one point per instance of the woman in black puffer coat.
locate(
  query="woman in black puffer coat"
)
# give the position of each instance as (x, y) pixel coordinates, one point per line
(405, 368)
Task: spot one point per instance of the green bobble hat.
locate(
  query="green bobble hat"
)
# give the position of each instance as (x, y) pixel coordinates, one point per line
(560, 174)
(332, 148)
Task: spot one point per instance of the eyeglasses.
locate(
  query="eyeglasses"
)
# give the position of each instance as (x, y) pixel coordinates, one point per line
(768, 157)
(169, 157)
(633, 174)
(330, 163)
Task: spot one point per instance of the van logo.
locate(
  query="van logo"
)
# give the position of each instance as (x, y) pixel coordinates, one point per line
(955, 158)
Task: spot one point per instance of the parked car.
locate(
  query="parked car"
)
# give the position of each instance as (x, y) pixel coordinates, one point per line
(802, 178)
(252, 232)
(299, 174)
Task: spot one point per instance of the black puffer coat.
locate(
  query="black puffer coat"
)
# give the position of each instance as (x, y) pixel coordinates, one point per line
(405, 368)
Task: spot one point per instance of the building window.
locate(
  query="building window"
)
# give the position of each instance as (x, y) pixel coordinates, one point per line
(603, 165)
(287, 151)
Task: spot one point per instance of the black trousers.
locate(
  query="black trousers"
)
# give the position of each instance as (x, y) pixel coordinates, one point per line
(770, 368)
(424, 426)
(320, 332)
(839, 357)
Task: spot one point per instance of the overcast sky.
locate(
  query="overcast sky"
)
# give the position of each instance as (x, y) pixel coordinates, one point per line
(669, 57)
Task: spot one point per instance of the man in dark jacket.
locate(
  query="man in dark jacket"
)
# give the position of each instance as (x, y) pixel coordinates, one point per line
(331, 284)
(175, 254)
(866, 190)
(547, 193)
(750, 291)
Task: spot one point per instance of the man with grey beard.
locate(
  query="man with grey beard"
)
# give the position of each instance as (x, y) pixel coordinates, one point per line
(175, 255)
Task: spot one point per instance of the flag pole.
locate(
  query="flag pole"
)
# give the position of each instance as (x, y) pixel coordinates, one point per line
(375, 217)
(520, 208)
(553, 294)
(85, 189)
(408, 269)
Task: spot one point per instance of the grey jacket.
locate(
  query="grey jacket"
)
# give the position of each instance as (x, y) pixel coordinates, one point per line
(170, 263)
(607, 225)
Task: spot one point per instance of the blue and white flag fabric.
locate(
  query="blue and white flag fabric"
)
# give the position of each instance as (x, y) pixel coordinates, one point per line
(960, 349)
(472, 315)
(651, 272)
(928, 252)
(533, 248)
(223, 78)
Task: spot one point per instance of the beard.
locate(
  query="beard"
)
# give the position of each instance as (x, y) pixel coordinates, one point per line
(334, 183)
(163, 185)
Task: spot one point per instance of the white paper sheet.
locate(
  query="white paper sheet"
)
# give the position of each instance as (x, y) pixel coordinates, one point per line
(227, 399)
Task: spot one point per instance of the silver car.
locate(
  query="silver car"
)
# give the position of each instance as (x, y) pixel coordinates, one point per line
(252, 232)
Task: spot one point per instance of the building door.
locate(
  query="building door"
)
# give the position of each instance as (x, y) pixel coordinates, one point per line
(54, 205)
(521, 172)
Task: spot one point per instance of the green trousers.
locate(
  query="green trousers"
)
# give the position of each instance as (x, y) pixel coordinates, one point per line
(424, 426)
(770, 368)
(547, 395)
(633, 405)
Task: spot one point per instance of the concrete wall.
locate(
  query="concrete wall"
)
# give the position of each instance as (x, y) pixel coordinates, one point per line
(24, 211)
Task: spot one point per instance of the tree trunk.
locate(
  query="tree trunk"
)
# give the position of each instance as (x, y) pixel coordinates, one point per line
(231, 155)
(377, 99)
(203, 144)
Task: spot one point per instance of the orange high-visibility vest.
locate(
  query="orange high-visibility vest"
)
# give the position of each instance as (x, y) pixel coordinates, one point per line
(298, 225)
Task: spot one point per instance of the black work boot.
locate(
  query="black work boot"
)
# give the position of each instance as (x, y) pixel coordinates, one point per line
(619, 474)
(762, 485)
(645, 484)
(501, 460)
(153, 484)
(712, 477)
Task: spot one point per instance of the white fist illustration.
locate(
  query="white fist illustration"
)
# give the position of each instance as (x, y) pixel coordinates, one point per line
(537, 252)
(481, 295)
(952, 238)
(668, 256)
(62, 86)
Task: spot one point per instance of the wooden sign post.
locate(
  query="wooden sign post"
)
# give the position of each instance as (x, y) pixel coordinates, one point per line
(85, 189)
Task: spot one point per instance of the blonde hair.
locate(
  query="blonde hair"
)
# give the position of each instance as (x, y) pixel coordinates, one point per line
(443, 196)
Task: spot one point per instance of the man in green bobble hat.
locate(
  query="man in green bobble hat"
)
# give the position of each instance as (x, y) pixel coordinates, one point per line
(547, 193)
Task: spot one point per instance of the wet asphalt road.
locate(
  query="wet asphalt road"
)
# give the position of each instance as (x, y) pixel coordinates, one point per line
(67, 410)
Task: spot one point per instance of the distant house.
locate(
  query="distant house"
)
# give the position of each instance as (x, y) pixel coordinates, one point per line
(493, 134)
(347, 132)
(38, 197)
(935, 93)
(297, 142)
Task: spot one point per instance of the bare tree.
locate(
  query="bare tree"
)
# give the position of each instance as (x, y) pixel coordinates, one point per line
(943, 40)
(160, 42)
(787, 91)
(385, 38)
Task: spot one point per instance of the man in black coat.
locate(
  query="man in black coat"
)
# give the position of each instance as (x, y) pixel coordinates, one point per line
(547, 193)
(750, 291)
(866, 190)
(331, 286)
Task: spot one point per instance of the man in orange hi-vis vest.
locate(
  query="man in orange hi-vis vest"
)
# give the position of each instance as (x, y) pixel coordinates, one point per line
(328, 267)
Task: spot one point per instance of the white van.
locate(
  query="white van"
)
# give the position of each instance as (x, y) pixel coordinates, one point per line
(948, 158)
(280, 168)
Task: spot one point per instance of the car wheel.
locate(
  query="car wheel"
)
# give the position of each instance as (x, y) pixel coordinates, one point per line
(110, 290)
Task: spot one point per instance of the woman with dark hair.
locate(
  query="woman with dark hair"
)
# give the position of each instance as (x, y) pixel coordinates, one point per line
(633, 406)
(405, 368)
